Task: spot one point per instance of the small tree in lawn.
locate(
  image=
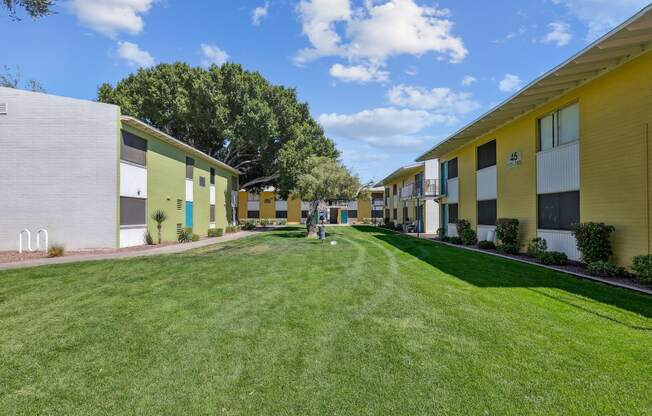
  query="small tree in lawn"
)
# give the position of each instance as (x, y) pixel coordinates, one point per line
(324, 179)
(159, 216)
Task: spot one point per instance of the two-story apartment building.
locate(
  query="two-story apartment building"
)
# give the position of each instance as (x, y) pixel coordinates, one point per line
(92, 177)
(572, 146)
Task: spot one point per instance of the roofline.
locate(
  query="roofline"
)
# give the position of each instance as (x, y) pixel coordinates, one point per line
(584, 50)
(142, 126)
(397, 171)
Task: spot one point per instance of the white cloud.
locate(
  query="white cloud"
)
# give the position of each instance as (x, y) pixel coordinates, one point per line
(411, 71)
(602, 15)
(259, 14)
(468, 80)
(387, 127)
(376, 32)
(213, 55)
(111, 17)
(439, 100)
(358, 73)
(134, 56)
(511, 83)
(351, 155)
(559, 34)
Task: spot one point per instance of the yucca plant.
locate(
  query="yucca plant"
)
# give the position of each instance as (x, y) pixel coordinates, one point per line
(159, 216)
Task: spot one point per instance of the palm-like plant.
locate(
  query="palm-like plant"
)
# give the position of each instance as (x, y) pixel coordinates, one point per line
(159, 216)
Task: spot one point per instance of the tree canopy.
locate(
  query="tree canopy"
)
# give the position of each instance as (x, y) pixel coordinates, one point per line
(34, 8)
(12, 79)
(234, 115)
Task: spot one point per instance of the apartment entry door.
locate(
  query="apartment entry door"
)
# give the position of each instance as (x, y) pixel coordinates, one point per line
(333, 215)
(345, 216)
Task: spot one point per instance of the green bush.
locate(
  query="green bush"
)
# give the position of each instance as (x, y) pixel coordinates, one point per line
(148, 238)
(593, 240)
(508, 248)
(455, 240)
(264, 222)
(445, 239)
(56, 250)
(507, 231)
(468, 237)
(185, 235)
(195, 237)
(215, 232)
(249, 225)
(605, 269)
(462, 225)
(537, 247)
(642, 266)
(230, 229)
(486, 245)
(281, 222)
(553, 258)
(441, 233)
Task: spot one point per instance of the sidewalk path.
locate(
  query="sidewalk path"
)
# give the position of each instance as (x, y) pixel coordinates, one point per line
(168, 249)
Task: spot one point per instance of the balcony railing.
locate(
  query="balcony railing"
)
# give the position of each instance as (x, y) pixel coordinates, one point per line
(429, 188)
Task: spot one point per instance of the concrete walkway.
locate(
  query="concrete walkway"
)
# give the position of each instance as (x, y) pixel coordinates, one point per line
(168, 249)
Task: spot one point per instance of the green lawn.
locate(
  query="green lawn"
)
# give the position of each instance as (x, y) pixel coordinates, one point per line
(278, 324)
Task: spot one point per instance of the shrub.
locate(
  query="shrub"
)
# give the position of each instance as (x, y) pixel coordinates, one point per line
(537, 247)
(593, 240)
(249, 225)
(446, 239)
(441, 233)
(605, 269)
(148, 238)
(462, 225)
(195, 237)
(185, 235)
(642, 266)
(56, 250)
(455, 240)
(232, 229)
(216, 232)
(508, 248)
(281, 222)
(265, 222)
(486, 245)
(507, 231)
(553, 258)
(468, 237)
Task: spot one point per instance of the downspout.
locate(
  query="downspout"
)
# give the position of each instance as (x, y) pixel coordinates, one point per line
(647, 181)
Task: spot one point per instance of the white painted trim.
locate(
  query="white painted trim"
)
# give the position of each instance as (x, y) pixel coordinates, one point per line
(558, 169)
(253, 205)
(561, 240)
(452, 230)
(486, 187)
(212, 195)
(189, 190)
(281, 205)
(131, 236)
(133, 180)
(453, 191)
(487, 233)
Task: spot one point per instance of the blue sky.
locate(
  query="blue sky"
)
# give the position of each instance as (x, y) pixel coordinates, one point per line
(387, 79)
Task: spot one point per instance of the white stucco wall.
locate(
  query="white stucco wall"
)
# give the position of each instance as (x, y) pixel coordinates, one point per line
(58, 170)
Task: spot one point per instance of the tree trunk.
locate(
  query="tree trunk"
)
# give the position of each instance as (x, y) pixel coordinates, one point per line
(158, 227)
(310, 220)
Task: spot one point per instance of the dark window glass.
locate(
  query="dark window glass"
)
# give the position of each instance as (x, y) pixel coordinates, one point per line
(133, 149)
(487, 155)
(377, 213)
(395, 189)
(387, 214)
(353, 213)
(304, 214)
(406, 217)
(212, 214)
(395, 213)
(281, 214)
(202, 181)
(212, 176)
(418, 183)
(452, 213)
(132, 211)
(559, 211)
(487, 212)
(190, 167)
(253, 214)
(452, 168)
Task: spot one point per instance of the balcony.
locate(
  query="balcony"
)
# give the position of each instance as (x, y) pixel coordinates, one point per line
(429, 188)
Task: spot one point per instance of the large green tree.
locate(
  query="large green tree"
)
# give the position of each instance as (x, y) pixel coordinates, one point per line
(234, 115)
(34, 8)
(323, 179)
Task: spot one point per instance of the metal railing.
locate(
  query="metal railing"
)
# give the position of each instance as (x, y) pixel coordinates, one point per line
(427, 189)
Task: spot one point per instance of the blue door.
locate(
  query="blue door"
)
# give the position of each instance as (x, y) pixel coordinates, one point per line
(345, 216)
(188, 214)
(444, 218)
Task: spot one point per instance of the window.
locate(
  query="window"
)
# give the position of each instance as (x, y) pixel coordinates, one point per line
(353, 213)
(133, 149)
(304, 213)
(212, 176)
(190, 167)
(418, 183)
(560, 127)
(395, 189)
(452, 213)
(281, 214)
(487, 212)
(405, 214)
(133, 211)
(212, 214)
(558, 211)
(202, 181)
(487, 155)
(387, 214)
(376, 213)
(395, 213)
(253, 214)
(452, 168)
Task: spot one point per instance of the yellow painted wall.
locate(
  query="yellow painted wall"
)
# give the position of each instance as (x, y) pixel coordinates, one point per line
(615, 111)
(364, 208)
(294, 210)
(267, 205)
(401, 181)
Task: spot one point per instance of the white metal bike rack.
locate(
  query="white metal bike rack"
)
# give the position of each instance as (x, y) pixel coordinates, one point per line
(44, 233)
(20, 240)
